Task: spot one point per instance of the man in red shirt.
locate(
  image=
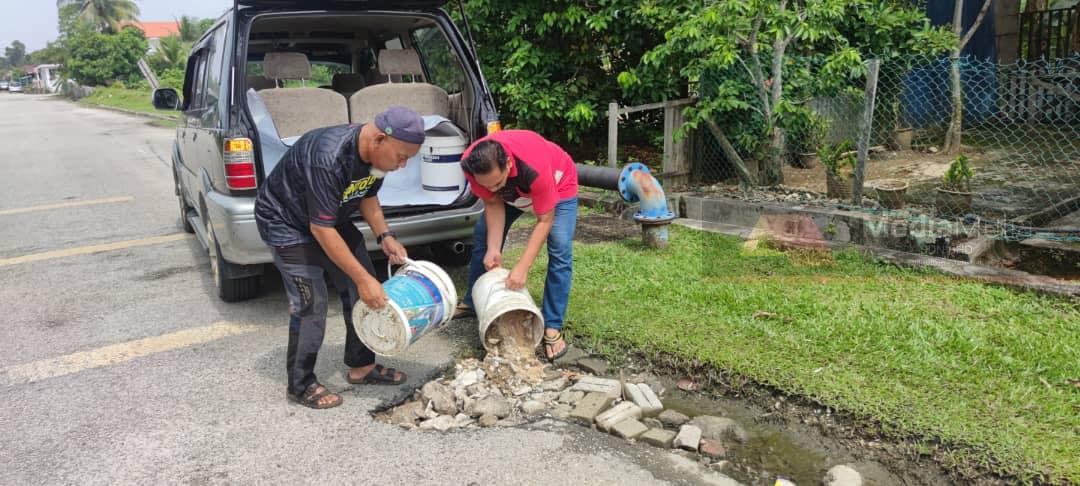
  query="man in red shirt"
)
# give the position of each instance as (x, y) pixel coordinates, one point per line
(515, 171)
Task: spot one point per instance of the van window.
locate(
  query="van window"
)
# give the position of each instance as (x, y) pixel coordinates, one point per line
(216, 57)
(322, 73)
(438, 57)
(197, 87)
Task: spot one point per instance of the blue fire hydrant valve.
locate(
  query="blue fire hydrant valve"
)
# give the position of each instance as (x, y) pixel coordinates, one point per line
(637, 184)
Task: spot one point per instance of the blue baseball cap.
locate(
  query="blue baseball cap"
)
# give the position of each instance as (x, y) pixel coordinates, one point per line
(401, 123)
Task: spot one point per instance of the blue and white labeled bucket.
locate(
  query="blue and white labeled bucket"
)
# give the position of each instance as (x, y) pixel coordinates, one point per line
(421, 297)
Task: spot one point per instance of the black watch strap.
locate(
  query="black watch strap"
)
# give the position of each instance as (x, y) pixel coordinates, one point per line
(378, 239)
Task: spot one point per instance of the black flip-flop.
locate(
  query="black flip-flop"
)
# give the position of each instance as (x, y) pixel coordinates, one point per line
(551, 340)
(378, 376)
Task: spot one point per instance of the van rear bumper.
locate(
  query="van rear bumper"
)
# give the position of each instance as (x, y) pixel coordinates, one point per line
(234, 226)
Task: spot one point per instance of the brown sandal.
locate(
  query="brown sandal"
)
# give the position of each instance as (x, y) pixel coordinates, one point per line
(314, 393)
(463, 311)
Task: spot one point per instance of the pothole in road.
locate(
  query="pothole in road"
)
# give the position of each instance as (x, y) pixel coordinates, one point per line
(741, 440)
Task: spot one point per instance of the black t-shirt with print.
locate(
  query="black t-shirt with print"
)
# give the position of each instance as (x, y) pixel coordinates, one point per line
(320, 180)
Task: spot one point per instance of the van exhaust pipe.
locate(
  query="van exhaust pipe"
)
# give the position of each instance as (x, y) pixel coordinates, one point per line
(458, 247)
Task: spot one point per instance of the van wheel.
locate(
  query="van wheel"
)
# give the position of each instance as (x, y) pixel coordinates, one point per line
(229, 289)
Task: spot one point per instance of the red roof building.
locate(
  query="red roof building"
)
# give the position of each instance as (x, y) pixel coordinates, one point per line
(157, 30)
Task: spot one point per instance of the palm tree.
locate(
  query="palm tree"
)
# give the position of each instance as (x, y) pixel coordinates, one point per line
(189, 28)
(106, 15)
(171, 53)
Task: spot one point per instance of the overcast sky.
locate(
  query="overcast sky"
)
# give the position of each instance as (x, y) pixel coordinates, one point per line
(34, 21)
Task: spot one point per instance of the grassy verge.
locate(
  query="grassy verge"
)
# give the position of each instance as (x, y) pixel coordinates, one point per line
(128, 99)
(988, 371)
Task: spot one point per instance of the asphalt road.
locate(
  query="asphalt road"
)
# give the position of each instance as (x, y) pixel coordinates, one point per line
(122, 366)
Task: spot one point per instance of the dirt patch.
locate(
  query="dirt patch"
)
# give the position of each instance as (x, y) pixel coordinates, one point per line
(912, 167)
(591, 228)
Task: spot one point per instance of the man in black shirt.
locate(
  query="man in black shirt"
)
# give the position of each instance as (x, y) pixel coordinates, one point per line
(303, 213)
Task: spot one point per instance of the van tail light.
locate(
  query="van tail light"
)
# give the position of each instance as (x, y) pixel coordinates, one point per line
(494, 126)
(239, 163)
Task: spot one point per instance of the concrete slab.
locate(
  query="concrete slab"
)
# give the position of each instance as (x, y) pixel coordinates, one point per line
(591, 384)
(613, 416)
(648, 402)
(589, 407)
(629, 429)
(658, 437)
(689, 437)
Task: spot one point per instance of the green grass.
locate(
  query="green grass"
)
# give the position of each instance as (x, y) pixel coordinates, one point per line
(128, 99)
(986, 370)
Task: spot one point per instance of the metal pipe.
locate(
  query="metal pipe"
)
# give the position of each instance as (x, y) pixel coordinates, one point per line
(598, 177)
(635, 183)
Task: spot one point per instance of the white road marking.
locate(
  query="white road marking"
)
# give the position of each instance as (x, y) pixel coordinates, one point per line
(72, 204)
(118, 353)
(86, 250)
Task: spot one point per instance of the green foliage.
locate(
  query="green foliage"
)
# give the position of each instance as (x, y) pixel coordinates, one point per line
(171, 78)
(552, 63)
(171, 53)
(958, 176)
(806, 129)
(15, 53)
(753, 63)
(97, 58)
(838, 159)
(980, 371)
(104, 15)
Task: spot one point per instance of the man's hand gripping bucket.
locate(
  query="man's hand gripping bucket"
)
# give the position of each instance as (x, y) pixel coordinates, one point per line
(421, 297)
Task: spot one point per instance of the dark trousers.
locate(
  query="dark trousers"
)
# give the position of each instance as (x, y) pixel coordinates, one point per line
(304, 269)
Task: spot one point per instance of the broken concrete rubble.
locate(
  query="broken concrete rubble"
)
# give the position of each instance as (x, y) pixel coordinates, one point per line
(689, 437)
(590, 384)
(658, 437)
(644, 398)
(607, 420)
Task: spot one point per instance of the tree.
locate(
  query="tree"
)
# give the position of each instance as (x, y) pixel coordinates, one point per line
(552, 63)
(106, 15)
(97, 58)
(768, 57)
(171, 53)
(16, 53)
(189, 28)
(953, 135)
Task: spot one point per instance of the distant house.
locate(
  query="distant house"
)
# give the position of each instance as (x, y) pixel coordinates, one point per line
(154, 31)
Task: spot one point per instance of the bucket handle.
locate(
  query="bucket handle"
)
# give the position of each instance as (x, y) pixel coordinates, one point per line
(389, 266)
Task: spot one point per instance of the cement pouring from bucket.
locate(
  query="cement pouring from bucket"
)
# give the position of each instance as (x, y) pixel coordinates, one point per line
(420, 297)
(511, 325)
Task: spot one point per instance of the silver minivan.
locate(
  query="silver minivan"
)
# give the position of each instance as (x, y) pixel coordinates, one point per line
(270, 70)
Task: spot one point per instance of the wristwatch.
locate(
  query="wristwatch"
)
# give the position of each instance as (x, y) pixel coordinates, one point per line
(378, 239)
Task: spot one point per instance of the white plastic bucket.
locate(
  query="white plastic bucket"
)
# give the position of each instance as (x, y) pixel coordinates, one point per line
(421, 297)
(492, 299)
(440, 168)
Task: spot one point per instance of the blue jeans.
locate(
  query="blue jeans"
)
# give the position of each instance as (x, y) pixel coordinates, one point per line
(560, 259)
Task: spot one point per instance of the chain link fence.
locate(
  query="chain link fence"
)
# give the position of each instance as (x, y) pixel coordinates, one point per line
(1014, 175)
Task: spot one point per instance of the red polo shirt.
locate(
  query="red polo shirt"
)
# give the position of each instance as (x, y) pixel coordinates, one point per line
(541, 173)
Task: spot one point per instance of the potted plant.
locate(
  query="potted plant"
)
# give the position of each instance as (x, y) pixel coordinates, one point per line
(813, 132)
(954, 195)
(839, 162)
(891, 193)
